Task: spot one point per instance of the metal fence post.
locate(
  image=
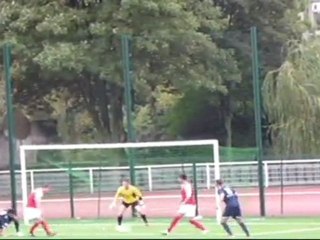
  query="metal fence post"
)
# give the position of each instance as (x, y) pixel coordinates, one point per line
(150, 179)
(208, 176)
(195, 186)
(266, 174)
(91, 180)
(127, 75)
(71, 190)
(257, 111)
(11, 122)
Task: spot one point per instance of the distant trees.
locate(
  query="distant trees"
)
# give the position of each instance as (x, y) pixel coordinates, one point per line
(191, 63)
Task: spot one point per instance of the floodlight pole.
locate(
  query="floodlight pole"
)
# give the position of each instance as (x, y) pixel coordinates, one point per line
(11, 122)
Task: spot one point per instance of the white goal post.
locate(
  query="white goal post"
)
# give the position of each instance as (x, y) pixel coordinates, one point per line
(25, 148)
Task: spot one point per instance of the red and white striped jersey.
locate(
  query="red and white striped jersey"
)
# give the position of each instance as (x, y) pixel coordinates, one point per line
(187, 193)
(35, 198)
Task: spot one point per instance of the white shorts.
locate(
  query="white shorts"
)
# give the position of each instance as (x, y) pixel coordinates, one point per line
(32, 213)
(187, 210)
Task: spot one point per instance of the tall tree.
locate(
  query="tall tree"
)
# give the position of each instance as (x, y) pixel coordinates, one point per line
(292, 100)
(277, 21)
(74, 47)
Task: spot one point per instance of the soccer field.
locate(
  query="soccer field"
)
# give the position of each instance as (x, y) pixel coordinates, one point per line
(271, 228)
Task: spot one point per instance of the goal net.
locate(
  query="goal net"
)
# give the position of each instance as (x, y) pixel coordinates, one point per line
(84, 177)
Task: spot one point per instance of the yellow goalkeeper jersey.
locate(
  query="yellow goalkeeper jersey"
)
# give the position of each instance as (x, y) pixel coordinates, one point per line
(129, 195)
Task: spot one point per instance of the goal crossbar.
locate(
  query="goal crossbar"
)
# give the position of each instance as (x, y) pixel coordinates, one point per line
(24, 148)
(120, 145)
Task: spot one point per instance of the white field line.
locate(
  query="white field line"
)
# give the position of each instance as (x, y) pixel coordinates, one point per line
(177, 196)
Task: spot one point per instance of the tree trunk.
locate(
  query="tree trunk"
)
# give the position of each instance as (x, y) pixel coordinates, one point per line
(96, 102)
(116, 104)
(118, 133)
(228, 126)
(102, 100)
(227, 109)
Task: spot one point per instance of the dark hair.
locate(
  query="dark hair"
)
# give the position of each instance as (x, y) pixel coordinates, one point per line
(125, 180)
(46, 186)
(183, 176)
(219, 182)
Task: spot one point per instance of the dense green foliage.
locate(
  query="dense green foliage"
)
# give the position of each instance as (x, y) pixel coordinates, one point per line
(192, 65)
(292, 99)
(142, 156)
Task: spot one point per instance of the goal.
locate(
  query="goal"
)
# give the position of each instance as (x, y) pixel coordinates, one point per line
(87, 173)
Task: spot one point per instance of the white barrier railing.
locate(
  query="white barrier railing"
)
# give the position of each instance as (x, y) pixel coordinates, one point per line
(163, 177)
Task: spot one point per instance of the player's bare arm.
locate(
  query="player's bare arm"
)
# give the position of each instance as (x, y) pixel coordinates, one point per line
(115, 199)
(188, 190)
(221, 202)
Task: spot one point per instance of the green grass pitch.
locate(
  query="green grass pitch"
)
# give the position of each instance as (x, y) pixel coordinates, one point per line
(270, 228)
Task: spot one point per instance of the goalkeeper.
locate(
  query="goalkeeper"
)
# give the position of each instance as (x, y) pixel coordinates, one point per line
(131, 197)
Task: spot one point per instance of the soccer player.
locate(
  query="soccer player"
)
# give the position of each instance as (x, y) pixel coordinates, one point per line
(187, 207)
(232, 207)
(6, 218)
(131, 197)
(33, 211)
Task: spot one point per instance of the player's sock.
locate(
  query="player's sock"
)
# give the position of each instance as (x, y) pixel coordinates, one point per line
(46, 227)
(144, 218)
(174, 223)
(119, 220)
(197, 224)
(226, 228)
(34, 227)
(244, 228)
